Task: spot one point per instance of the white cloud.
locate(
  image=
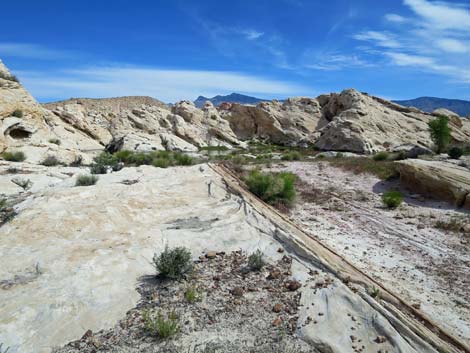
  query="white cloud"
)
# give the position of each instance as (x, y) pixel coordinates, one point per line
(166, 85)
(332, 61)
(33, 51)
(392, 17)
(442, 15)
(453, 45)
(251, 34)
(382, 39)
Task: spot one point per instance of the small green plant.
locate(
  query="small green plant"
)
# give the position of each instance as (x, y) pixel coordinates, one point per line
(16, 156)
(455, 152)
(55, 141)
(339, 155)
(192, 295)
(86, 180)
(124, 156)
(381, 156)
(183, 159)
(97, 168)
(3, 204)
(161, 325)
(173, 263)
(291, 156)
(440, 132)
(17, 113)
(272, 188)
(255, 260)
(50, 161)
(392, 199)
(375, 292)
(161, 163)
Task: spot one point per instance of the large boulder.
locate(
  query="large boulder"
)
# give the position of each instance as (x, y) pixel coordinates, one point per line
(439, 179)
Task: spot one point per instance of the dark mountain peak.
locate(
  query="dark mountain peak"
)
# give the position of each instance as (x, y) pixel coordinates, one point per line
(232, 98)
(429, 104)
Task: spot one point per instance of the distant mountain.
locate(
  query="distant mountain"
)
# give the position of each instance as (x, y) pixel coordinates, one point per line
(232, 98)
(428, 104)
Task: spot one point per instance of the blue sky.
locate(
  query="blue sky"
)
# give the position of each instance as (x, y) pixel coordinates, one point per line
(180, 49)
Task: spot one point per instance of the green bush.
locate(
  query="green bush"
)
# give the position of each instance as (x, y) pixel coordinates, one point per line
(381, 156)
(455, 152)
(55, 141)
(86, 180)
(255, 260)
(16, 156)
(50, 161)
(272, 188)
(159, 325)
(98, 168)
(183, 159)
(440, 132)
(291, 156)
(161, 163)
(392, 199)
(192, 295)
(173, 263)
(18, 113)
(124, 156)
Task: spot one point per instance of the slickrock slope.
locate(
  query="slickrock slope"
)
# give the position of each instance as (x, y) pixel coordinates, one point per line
(83, 251)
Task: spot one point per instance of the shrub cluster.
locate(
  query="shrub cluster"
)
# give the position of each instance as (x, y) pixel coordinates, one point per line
(16, 156)
(86, 180)
(161, 325)
(173, 263)
(455, 152)
(272, 188)
(291, 156)
(392, 199)
(50, 161)
(255, 260)
(161, 159)
(381, 156)
(17, 113)
(440, 132)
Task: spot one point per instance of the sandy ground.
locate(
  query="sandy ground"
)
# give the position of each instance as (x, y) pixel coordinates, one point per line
(401, 248)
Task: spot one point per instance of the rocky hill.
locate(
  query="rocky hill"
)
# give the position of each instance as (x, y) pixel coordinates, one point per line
(230, 98)
(429, 104)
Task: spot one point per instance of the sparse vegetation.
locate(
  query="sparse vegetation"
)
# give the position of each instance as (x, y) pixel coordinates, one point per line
(255, 260)
(86, 180)
(17, 113)
(160, 325)
(440, 132)
(23, 183)
(291, 156)
(381, 156)
(50, 161)
(173, 263)
(453, 224)
(8, 77)
(16, 156)
(55, 141)
(455, 152)
(77, 162)
(192, 295)
(273, 188)
(375, 292)
(382, 169)
(392, 199)
(6, 215)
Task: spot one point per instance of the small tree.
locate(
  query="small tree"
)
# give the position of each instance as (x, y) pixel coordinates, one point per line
(440, 132)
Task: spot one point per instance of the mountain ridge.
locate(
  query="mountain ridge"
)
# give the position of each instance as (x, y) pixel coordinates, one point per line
(429, 104)
(232, 98)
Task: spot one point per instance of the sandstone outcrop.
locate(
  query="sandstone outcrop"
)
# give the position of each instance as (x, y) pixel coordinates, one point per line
(439, 179)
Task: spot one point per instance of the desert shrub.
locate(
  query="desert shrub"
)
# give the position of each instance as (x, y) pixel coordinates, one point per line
(255, 260)
(16, 156)
(3, 204)
(455, 152)
(381, 156)
(124, 156)
(192, 295)
(50, 161)
(392, 199)
(183, 159)
(453, 224)
(103, 162)
(161, 325)
(375, 292)
(173, 263)
(214, 148)
(272, 188)
(440, 132)
(291, 156)
(142, 158)
(161, 163)
(86, 180)
(17, 113)
(77, 162)
(96, 168)
(339, 155)
(9, 77)
(382, 169)
(55, 141)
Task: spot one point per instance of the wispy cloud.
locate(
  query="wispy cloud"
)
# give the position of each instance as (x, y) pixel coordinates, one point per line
(32, 51)
(167, 85)
(251, 34)
(332, 61)
(436, 38)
